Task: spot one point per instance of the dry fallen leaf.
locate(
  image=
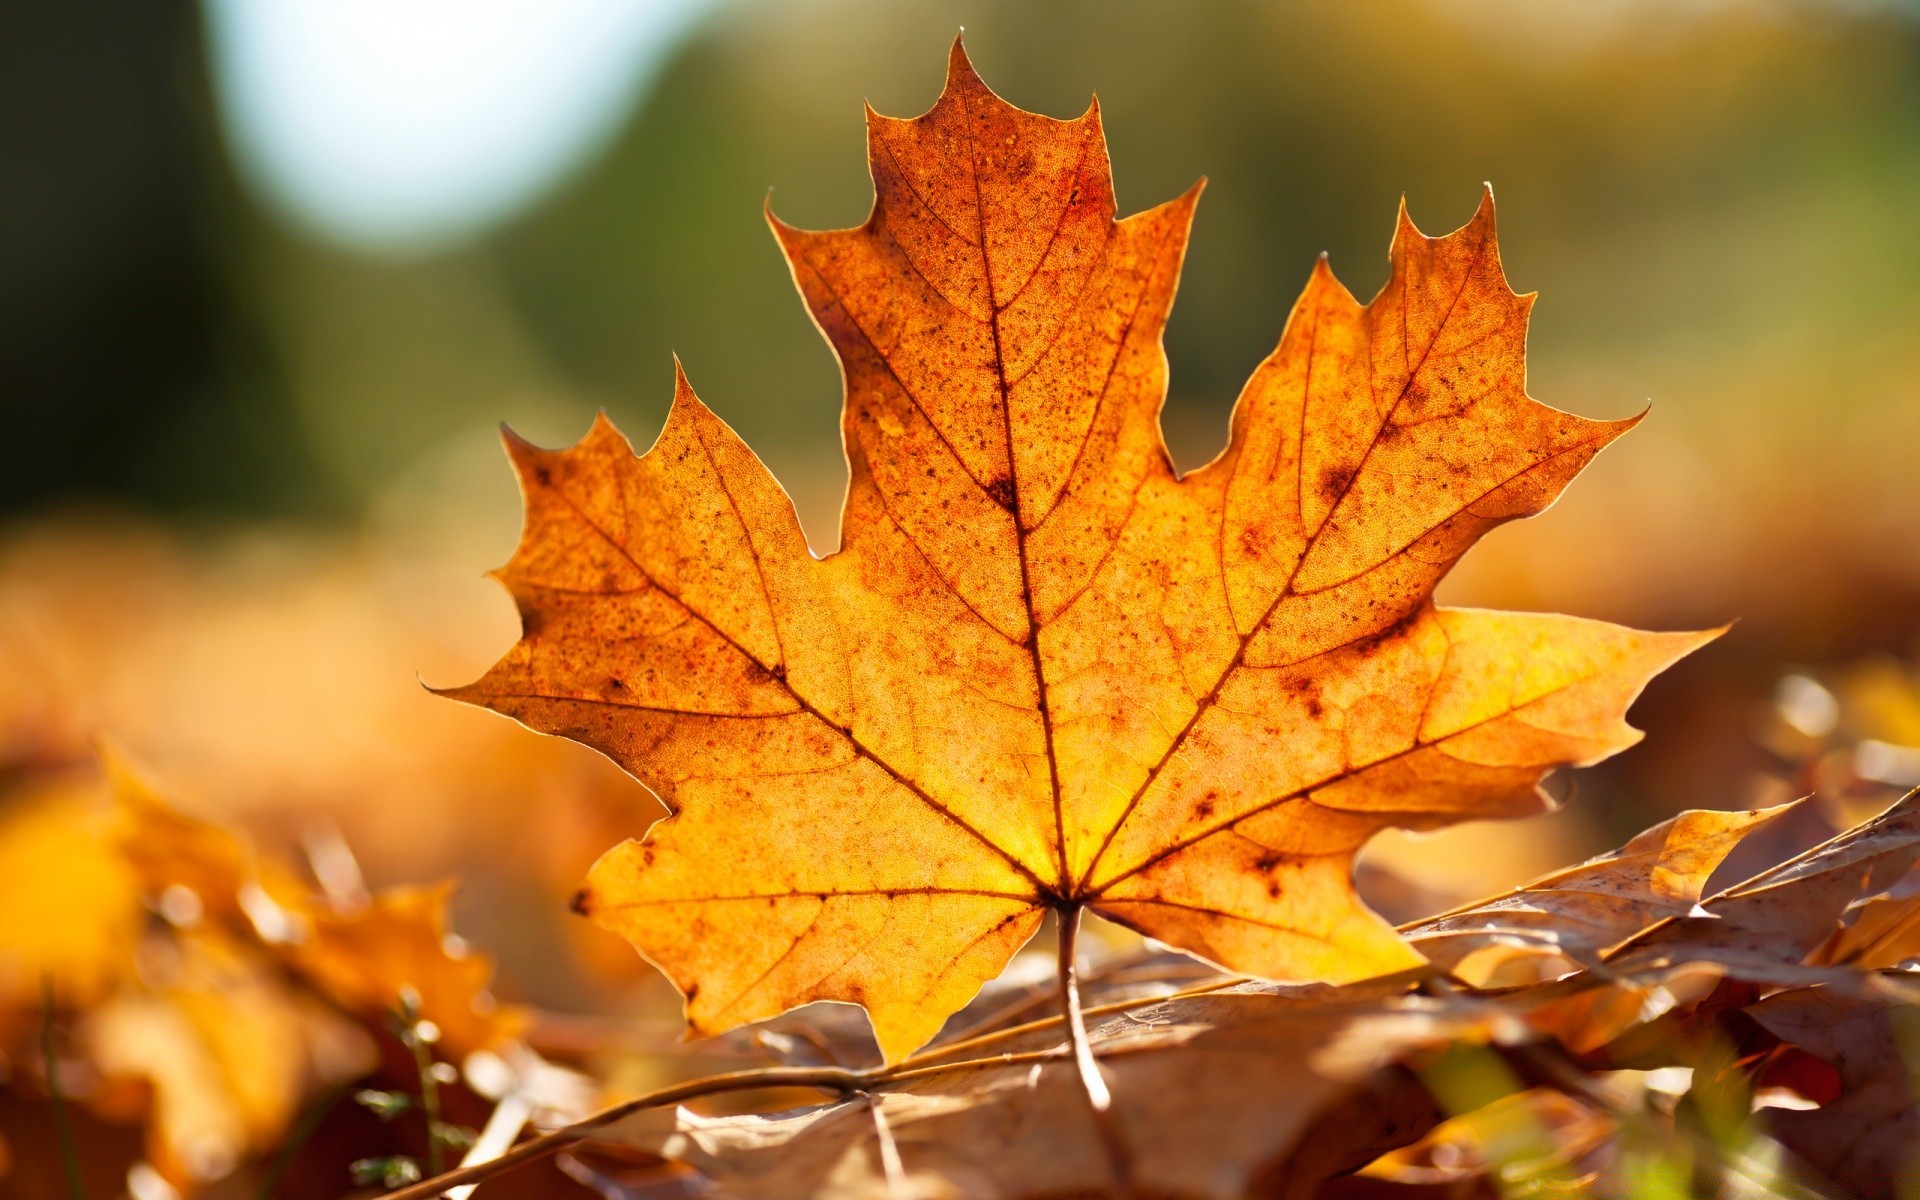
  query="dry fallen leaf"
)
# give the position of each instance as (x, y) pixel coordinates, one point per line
(133, 913)
(1868, 1138)
(1763, 932)
(362, 959)
(180, 649)
(1784, 914)
(1880, 931)
(207, 867)
(1213, 1095)
(1578, 912)
(1043, 672)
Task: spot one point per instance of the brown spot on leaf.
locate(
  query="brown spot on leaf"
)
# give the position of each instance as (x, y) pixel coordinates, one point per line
(1334, 482)
(1001, 490)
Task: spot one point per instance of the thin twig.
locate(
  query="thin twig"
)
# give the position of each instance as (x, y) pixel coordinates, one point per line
(832, 1079)
(975, 1042)
(1219, 983)
(1092, 1084)
(62, 1129)
(835, 1079)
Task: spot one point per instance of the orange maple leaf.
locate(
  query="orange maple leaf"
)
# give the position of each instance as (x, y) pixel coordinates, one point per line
(1044, 672)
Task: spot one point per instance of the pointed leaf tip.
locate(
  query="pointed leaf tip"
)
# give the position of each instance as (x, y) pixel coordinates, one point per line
(1483, 212)
(959, 64)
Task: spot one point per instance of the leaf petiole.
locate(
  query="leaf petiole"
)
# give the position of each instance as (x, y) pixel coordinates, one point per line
(1094, 1085)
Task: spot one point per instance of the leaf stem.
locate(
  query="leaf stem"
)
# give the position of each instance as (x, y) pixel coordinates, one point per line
(1096, 1087)
(1092, 1084)
(62, 1128)
(832, 1079)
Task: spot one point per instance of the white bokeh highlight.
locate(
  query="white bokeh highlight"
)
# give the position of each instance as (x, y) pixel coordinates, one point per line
(412, 125)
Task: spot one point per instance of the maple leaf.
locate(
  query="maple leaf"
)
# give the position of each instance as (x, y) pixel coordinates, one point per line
(1044, 672)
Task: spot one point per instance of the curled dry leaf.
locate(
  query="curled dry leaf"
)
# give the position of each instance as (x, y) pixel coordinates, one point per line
(1880, 931)
(1043, 672)
(1780, 917)
(1580, 911)
(1764, 932)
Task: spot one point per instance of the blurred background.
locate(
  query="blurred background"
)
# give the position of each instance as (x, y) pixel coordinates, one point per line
(271, 275)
